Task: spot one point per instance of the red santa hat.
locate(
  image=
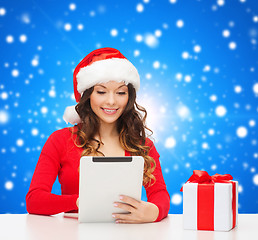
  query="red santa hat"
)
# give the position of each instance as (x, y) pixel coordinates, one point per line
(100, 66)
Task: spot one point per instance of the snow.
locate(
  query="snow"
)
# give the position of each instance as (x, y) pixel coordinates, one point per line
(136, 53)
(179, 76)
(156, 64)
(188, 78)
(197, 48)
(19, 142)
(9, 39)
(25, 18)
(34, 132)
(220, 2)
(211, 132)
(23, 38)
(44, 110)
(80, 27)
(180, 23)
(2, 11)
(213, 98)
(170, 142)
(9, 185)
(252, 123)
(255, 179)
(241, 132)
(35, 62)
(226, 33)
(183, 111)
(67, 27)
(185, 55)
(255, 88)
(139, 38)
(52, 93)
(213, 167)
(72, 6)
(238, 89)
(148, 76)
(232, 45)
(220, 111)
(3, 117)
(139, 7)
(113, 32)
(151, 40)
(206, 68)
(205, 145)
(4, 95)
(176, 199)
(158, 33)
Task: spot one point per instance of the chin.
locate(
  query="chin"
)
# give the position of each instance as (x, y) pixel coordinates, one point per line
(109, 121)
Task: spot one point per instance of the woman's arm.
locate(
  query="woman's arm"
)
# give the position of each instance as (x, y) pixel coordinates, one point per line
(39, 199)
(157, 193)
(158, 204)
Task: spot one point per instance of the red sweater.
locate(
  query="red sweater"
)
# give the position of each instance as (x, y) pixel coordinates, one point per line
(60, 157)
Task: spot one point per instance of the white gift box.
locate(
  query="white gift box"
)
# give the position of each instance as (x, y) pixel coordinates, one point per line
(210, 206)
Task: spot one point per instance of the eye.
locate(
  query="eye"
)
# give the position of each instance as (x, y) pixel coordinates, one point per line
(100, 92)
(121, 93)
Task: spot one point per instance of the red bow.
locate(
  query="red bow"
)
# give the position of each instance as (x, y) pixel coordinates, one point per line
(203, 177)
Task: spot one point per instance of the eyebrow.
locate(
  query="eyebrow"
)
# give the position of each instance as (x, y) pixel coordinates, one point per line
(105, 87)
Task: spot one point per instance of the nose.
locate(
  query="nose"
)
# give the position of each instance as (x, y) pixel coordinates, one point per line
(111, 99)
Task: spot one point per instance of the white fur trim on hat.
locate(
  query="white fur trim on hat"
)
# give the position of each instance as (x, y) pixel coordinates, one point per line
(71, 116)
(113, 69)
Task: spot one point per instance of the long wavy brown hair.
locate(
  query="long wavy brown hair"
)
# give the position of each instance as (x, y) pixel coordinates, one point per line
(131, 126)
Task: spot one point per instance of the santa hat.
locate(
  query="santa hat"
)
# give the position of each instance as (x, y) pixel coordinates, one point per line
(100, 66)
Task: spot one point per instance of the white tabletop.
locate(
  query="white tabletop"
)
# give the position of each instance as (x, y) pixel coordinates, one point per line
(26, 226)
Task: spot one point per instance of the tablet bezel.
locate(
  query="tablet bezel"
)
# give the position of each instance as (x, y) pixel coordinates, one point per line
(119, 176)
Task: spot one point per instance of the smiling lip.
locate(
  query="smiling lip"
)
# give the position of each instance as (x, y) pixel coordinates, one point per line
(110, 108)
(109, 111)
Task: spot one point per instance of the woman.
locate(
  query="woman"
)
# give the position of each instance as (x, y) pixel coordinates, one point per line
(108, 124)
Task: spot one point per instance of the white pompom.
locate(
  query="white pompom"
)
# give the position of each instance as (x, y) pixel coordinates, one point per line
(71, 116)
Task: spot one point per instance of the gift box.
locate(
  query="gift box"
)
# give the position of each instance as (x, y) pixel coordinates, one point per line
(210, 202)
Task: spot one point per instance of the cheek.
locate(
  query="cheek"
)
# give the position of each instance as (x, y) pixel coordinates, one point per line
(94, 102)
(124, 102)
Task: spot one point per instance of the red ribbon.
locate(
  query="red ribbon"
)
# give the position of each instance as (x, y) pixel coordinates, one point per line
(205, 197)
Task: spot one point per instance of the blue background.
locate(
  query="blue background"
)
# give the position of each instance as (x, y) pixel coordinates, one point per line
(183, 89)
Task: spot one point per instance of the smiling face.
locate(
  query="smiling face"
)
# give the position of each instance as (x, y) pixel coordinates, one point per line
(108, 100)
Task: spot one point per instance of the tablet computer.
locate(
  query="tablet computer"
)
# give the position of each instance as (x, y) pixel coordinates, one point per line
(103, 180)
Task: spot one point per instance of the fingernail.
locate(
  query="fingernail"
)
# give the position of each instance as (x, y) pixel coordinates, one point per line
(115, 205)
(117, 221)
(113, 215)
(121, 197)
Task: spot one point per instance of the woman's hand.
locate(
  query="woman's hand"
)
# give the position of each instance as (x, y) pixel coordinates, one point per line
(77, 202)
(139, 212)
